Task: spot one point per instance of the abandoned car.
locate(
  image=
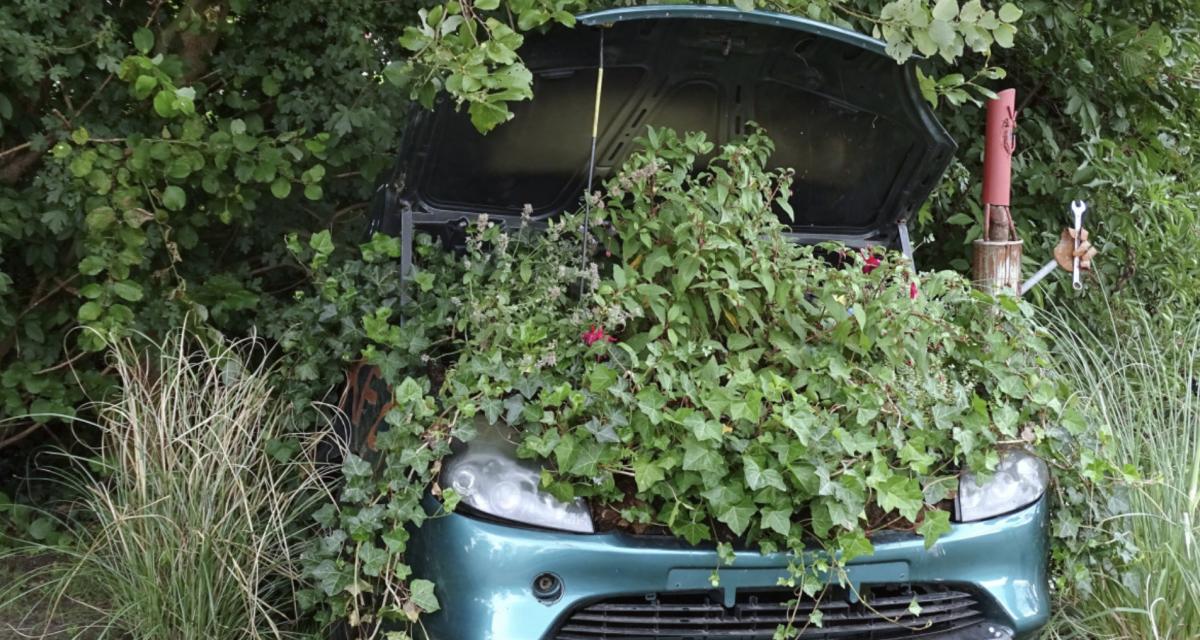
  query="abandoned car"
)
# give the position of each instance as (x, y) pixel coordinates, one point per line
(513, 563)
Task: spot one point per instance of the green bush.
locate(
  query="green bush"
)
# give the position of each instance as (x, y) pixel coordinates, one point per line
(154, 156)
(188, 522)
(692, 370)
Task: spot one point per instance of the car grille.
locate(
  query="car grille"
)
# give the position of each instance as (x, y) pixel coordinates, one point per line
(881, 614)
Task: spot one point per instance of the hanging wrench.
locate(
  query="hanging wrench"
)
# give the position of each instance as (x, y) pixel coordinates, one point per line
(1078, 208)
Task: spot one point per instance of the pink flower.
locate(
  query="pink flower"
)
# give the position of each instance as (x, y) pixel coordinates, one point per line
(912, 291)
(872, 262)
(594, 335)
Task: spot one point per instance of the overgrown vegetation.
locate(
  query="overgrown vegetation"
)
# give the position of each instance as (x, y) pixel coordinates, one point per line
(1143, 389)
(154, 157)
(700, 374)
(189, 520)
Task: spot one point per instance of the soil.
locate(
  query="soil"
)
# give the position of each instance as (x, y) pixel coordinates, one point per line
(27, 609)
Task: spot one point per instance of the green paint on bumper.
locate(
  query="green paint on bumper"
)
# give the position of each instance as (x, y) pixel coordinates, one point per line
(484, 571)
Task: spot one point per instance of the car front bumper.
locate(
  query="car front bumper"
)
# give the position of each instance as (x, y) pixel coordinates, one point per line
(484, 572)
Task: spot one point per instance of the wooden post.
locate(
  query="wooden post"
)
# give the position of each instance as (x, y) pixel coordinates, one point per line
(996, 266)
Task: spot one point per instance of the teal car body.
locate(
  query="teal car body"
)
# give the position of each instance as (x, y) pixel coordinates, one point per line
(867, 151)
(485, 570)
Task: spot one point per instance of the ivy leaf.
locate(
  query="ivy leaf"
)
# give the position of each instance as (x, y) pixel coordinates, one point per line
(901, 494)
(938, 488)
(601, 378)
(933, 526)
(737, 517)
(854, 544)
(758, 478)
(778, 520)
(702, 427)
(647, 473)
(355, 467)
(326, 515)
(693, 532)
(373, 559)
(421, 594)
(699, 457)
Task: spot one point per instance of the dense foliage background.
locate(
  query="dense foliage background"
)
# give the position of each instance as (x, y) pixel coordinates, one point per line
(154, 157)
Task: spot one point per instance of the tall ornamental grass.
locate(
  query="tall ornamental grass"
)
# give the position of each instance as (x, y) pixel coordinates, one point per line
(191, 516)
(1145, 389)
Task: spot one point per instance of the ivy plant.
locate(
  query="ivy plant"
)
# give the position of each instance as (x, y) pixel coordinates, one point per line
(682, 365)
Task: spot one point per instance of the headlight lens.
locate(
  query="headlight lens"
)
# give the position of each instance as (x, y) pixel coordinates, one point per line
(490, 478)
(1020, 479)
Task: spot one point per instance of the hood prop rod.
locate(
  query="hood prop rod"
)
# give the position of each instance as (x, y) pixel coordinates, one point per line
(587, 197)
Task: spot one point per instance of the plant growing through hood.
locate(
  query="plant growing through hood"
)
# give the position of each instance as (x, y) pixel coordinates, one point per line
(687, 368)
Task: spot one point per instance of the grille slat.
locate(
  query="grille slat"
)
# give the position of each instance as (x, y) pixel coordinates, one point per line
(882, 614)
(717, 616)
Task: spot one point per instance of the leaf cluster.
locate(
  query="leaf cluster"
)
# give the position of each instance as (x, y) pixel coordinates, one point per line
(672, 357)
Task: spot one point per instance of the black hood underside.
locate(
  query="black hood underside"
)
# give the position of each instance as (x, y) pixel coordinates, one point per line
(866, 148)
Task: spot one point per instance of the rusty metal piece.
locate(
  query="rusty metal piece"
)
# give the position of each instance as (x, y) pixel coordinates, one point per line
(996, 266)
(999, 144)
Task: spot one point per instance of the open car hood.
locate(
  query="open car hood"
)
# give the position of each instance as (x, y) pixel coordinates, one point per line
(866, 148)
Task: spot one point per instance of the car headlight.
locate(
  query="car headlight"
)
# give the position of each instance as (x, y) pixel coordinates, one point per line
(491, 479)
(1020, 479)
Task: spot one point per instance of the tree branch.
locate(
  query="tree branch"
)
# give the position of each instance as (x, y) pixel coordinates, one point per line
(11, 440)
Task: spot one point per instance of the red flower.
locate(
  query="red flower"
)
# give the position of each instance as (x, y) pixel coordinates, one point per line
(594, 335)
(872, 262)
(912, 291)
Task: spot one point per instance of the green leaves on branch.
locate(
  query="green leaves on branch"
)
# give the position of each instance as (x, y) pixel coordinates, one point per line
(947, 30)
(150, 197)
(473, 57)
(944, 28)
(471, 50)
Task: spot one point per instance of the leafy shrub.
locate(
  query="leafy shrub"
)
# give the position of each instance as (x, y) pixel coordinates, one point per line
(189, 520)
(693, 370)
(152, 159)
(363, 316)
(153, 156)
